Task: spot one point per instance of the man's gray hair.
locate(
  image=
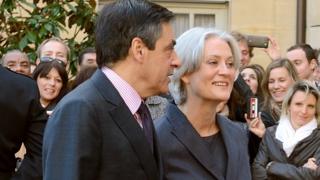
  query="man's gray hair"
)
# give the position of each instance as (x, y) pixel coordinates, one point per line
(24, 55)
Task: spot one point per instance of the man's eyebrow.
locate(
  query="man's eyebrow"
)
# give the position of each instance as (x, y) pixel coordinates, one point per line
(174, 42)
(171, 45)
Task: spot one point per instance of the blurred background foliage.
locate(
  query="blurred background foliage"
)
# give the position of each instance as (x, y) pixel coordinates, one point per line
(24, 24)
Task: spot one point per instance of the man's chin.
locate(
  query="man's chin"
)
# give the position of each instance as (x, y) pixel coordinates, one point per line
(163, 90)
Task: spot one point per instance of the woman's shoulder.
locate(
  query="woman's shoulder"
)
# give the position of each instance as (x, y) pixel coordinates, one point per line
(161, 123)
(236, 126)
(267, 118)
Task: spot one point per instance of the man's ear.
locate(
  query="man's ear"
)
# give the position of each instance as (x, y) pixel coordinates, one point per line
(313, 64)
(138, 48)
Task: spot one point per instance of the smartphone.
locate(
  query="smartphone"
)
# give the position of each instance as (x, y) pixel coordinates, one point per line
(258, 41)
(253, 108)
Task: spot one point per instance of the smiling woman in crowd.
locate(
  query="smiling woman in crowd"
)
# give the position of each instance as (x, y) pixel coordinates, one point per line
(280, 75)
(52, 80)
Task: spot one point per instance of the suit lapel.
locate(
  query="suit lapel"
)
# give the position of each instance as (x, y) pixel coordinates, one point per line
(231, 145)
(132, 130)
(127, 123)
(191, 140)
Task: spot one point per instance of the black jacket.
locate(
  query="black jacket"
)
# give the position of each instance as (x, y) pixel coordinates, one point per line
(22, 120)
(283, 167)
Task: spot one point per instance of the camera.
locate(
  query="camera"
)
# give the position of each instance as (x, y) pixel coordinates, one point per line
(253, 108)
(258, 41)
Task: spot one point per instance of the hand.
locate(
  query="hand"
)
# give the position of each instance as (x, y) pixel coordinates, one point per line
(256, 125)
(273, 49)
(311, 164)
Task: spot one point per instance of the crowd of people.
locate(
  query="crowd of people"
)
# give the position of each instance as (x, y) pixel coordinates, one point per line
(146, 106)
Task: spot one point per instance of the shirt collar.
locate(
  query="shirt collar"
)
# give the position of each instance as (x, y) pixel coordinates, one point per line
(130, 96)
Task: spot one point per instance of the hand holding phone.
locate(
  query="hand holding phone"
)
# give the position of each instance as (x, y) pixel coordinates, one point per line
(253, 108)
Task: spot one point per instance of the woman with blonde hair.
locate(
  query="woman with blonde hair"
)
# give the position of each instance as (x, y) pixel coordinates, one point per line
(291, 149)
(280, 75)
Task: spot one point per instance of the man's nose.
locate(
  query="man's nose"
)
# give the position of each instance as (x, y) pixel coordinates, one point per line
(176, 62)
(18, 68)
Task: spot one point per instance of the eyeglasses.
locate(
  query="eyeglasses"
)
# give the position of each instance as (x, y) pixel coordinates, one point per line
(49, 59)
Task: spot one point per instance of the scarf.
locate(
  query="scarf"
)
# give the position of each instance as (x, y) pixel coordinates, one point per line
(289, 136)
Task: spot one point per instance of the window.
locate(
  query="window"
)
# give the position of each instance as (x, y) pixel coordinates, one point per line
(191, 13)
(188, 15)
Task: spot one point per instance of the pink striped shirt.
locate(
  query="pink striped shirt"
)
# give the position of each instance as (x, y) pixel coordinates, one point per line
(126, 91)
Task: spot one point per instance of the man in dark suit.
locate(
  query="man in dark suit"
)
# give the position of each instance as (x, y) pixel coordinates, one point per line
(96, 131)
(22, 120)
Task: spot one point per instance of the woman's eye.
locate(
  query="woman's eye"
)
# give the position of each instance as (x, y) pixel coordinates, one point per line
(231, 64)
(212, 62)
(59, 80)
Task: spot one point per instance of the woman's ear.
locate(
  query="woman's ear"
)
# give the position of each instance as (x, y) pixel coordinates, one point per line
(185, 78)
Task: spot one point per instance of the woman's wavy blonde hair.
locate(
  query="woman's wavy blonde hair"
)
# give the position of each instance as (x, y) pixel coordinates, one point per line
(303, 86)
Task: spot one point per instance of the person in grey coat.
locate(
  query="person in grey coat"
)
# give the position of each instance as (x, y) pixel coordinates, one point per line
(291, 149)
(196, 142)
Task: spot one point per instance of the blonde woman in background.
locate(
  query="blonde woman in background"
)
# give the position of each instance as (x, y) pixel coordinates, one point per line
(291, 150)
(280, 75)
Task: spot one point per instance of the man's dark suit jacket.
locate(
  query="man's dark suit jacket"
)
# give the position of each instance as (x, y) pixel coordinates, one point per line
(93, 135)
(22, 119)
(186, 156)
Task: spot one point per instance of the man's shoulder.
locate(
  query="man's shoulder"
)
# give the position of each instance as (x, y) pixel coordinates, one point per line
(86, 94)
(13, 83)
(15, 78)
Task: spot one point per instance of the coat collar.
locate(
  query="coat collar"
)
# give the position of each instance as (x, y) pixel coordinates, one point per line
(122, 116)
(229, 134)
(193, 142)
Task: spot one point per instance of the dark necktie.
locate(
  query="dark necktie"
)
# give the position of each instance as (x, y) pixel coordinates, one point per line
(146, 123)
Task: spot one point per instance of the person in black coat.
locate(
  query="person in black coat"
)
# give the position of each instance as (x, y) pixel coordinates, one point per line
(22, 121)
